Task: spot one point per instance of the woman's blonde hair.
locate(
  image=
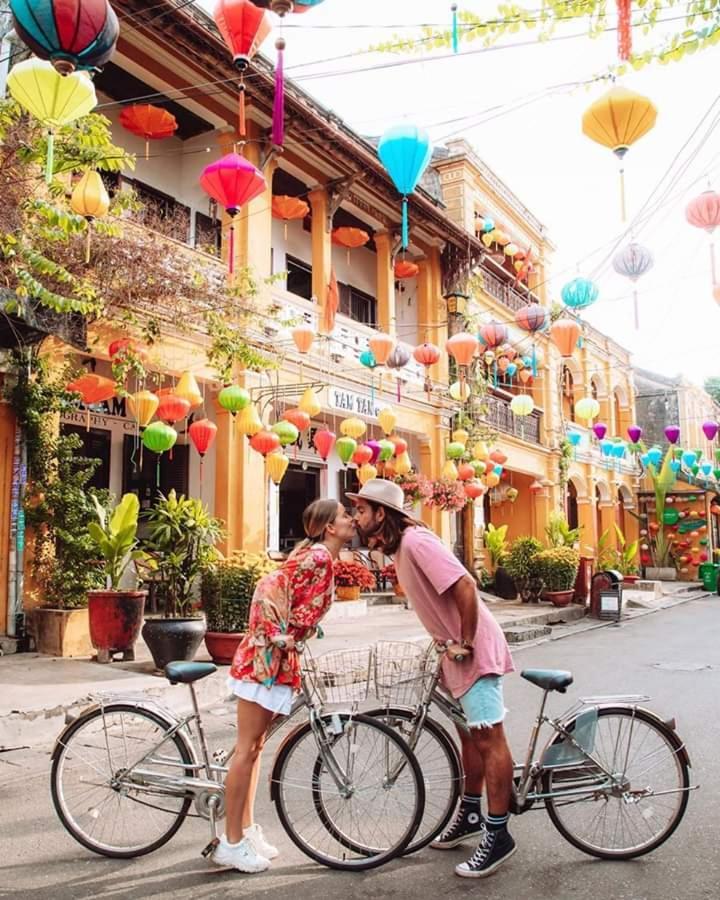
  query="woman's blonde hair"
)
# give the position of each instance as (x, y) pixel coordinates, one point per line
(316, 518)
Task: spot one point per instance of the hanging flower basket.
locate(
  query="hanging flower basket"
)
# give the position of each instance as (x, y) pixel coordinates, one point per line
(446, 495)
(415, 487)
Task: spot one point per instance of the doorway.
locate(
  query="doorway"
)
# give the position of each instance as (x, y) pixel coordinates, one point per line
(298, 489)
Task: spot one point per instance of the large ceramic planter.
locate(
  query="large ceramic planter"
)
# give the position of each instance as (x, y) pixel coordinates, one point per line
(172, 640)
(347, 593)
(560, 598)
(115, 621)
(222, 646)
(62, 632)
(656, 574)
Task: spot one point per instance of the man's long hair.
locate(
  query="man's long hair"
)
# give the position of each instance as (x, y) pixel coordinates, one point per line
(389, 534)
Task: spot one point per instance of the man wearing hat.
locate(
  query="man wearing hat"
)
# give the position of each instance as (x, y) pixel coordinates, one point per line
(445, 598)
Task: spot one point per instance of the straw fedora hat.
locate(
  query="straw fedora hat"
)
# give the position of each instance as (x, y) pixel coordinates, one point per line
(384, 493)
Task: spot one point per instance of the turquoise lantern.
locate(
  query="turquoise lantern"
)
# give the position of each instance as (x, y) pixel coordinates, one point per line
(579, 293)
(405, 151)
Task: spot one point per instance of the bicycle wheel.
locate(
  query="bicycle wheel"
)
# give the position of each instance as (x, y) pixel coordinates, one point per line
(441, 767)
(369, 822)
(643, 811)
(104, 811)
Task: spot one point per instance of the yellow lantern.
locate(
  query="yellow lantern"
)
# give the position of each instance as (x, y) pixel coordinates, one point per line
(522, 405)
(511, 249)
(309, 403)
(492, 480)
(460, 391)
(55, 100)
(480, 451)
(366, 472)
(387, 419)
(403, 465)
(489, 238)
(501, 238)
(142, 406)
(188, 388)
(90, 200)
(277, 464)
(460, 436)
(449, 471)
(616, 120)
(587, 408)
(249, 421)
(354, 428)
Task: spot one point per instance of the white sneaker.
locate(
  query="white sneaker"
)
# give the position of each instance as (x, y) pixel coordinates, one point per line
(255, 835)
(241, 856)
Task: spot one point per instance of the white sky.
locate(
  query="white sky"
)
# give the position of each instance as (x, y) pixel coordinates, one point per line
(569, 182)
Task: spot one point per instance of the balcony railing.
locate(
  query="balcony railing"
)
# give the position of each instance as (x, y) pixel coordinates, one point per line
(503, 292)
(500, 416)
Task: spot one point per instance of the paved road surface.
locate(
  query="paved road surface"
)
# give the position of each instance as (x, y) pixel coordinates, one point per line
(674, 656)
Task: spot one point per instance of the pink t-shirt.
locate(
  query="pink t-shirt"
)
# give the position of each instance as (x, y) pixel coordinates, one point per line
(426, 569)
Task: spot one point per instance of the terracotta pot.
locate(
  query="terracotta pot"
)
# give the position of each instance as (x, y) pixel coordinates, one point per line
(171, 640)
(630, 579)
(115, 621)
(559, 598)
(347, 593)
(221, 645)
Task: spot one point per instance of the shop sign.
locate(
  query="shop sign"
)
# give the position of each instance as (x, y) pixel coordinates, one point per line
(352, 404)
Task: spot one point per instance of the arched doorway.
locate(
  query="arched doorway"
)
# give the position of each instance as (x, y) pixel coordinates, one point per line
(568, 395)
(571, 505)
(598, 513)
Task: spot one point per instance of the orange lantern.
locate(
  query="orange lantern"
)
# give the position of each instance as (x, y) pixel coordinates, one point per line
(298, 418)
(265, 442)
(427, 355)
(350, 238)
(465, 472)
(92, 389)
(405, 269)
(474, 489)
(497, 456)
(564, 334)
(382, 345)
(462, 347)
(525, 375)
(171, 408)
(303, 335)
(362, 455)
(150, 122)
(289, 209)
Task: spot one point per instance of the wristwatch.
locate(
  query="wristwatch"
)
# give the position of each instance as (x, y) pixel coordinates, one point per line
(467, 645)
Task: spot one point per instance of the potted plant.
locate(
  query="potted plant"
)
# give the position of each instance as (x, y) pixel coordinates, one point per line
(497, 546)
(351, 578)
(389, 574)
(557, 567)
(181, 538)
(559, 533)
(519, 566)
(227, 589)
(621, 558)
(116, 615)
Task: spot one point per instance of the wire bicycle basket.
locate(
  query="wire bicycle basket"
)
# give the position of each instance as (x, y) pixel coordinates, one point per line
(340, 676)
(402, 671)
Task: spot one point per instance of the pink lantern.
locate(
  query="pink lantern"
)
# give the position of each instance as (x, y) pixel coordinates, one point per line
(324, 442)
(375, 448)
(704, 212)
(634, 433)
(710, 430)
(599, 430)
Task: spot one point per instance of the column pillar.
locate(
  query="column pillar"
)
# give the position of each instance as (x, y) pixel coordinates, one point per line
(385, 290)
(607, 521)
(586, 521)
(425, 468)
(7, 451)
(542, 504)
(321, 247)
(253, 228)
(438, 313)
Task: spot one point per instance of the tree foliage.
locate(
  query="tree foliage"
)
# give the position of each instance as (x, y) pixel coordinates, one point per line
(712, 387)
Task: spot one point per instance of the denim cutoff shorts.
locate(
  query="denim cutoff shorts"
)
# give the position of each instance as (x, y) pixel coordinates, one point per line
(483, 703)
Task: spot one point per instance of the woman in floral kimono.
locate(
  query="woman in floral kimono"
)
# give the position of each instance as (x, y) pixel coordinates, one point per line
(287, 606)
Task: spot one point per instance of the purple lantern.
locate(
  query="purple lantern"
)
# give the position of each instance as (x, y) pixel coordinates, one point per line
(672, 433)
(634, 433)
(710, 430)
(376, 448)
(599, 430)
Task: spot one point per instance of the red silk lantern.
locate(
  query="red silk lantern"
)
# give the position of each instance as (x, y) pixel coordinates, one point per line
(525, 376)
(474, 489)
(405, 269)
(493, 334)
(400, 445)
(202, 433)
(382, 346)
(171, 407)
(265, 442)
(300, 419)
(150, 122)
(462, 347)
(324, 442)
(465, 472)
(289, 209)
(362, 455)
(303, 335)
(564, 334)
(497, 456)
(427, 355)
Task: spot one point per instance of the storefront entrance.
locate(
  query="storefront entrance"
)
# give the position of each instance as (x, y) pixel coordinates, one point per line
(298, 489)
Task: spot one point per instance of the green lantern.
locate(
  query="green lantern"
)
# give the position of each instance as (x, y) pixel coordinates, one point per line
(716, 473)
(387, 449)
(455, 450)
(670, 517)
(698, 454)
(286, 431)
(717, 455)
(159, 437)
(233, 399)
(478, 466)
(695, 469)
(677, 453)
(345, 447)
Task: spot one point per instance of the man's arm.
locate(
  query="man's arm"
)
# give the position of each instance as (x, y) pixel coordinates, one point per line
(464, 595)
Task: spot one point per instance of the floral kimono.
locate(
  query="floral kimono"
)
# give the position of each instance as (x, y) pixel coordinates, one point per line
(292, 600)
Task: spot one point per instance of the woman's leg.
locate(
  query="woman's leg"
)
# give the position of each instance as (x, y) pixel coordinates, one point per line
(248, 816)
(253, 721)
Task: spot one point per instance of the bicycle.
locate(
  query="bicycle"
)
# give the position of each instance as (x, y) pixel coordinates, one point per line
(613, 776)
(347, 790)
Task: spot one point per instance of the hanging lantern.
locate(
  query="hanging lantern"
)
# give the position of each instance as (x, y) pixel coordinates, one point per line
(244, 27)
(366, 473)
(324, 441)
(381, 346)
(587, 408)
(599, 430)
(249, 422)
(286, 432)
(289, 209)
(309, 403)
(710, 430)
(265, 442)
(367, 359)
(71, 34)
(153, 123)
(297, 417)
(232, 182)
(460, 436)
(522, 405)
(93, 389)
(374, 449)
(704, 212)
(672, 433)
(188, 388)
(449, 471)
(493, 335)
(455, 450)
(492, 480)
(564, 333)
(474, 490)
(352, 427)
(276, 464)
(532, 318)
(617, 120)
(142, 406)
(90, 200)
(234, 399)
(159, 437)
(401, 445)
(633, 262)
(465, 472)
(362, 455)
(579, 293)
(52, 99)
(405, 269)
(403, 464)
(350, 238)
(405, 151)
(460, 391)
(202, 433)
(387, 450)
(511, 249)
(427, 355)
(462, 347)
(172, 408)
(498, 457)
(634, 433)
(480, 451)
(399, 358)
(387, 419)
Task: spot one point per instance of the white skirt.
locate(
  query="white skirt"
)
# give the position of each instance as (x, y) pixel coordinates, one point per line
(277, 699)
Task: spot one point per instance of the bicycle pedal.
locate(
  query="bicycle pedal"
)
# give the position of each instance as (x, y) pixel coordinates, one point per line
(210, 849)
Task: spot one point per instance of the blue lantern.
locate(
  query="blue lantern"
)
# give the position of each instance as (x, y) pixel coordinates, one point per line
(579, 293)
(619, 450)
(405, 151)
(511, 370)
(71, 34)
(688, 458)
(644, 459)
(674, 465)
(498, 469)
(706, 468)
(367, 359)
(488, 225)
(574, 437)
(606, 447)
(654, 456)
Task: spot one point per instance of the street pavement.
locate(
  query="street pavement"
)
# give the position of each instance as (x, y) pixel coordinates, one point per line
(674, 656)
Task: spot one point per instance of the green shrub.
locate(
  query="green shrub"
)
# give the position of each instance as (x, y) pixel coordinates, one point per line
(557, 568)
(522, 551)
(227, 590)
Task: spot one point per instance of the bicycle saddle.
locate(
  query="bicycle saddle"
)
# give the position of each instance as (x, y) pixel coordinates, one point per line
(187, 672)
(548, 679)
